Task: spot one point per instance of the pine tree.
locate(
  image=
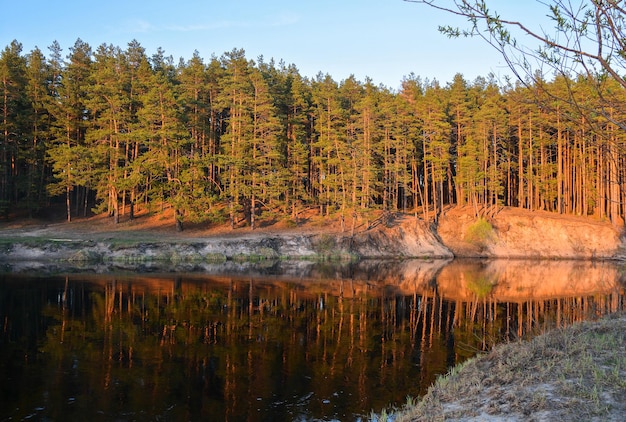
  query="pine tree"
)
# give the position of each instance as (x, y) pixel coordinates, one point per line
(14, 108)
(136, 178)
(36, 179)
(410, 129)
(390, 171)
(327, 154)
(265, 169)
(103, 165)
(196, 107)
(236, 98)
(297, 126)
(460, 117)
(435, 143)
(71, 118)
(352, 148)
(167, 141)
(373, 149)
(489, 132)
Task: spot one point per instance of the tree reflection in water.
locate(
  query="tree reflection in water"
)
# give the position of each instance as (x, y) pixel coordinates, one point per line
(331, 342)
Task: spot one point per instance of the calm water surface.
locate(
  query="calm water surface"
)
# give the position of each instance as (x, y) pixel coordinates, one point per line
(273, 341)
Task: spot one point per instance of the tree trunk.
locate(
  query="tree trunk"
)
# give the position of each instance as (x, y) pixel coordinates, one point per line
(520, 163)
(178, 215)
(252, 212)
(425, 198)
(559, 164)
(68, 205)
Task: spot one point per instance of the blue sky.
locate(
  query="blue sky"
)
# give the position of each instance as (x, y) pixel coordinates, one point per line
(381, 39)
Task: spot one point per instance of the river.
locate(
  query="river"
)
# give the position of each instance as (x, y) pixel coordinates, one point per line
(275, 341)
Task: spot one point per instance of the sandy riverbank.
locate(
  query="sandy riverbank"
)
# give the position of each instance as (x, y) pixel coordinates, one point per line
(509, 233)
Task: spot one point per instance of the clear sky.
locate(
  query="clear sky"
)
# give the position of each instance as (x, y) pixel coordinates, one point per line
(381, 39)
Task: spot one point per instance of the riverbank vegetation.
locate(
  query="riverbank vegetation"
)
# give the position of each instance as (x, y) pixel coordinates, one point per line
(575, 373)
(116, 131)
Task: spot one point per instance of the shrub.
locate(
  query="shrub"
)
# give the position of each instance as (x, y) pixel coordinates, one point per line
(479, 233)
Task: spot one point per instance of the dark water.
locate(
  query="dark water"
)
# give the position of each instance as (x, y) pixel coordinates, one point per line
(274, 341)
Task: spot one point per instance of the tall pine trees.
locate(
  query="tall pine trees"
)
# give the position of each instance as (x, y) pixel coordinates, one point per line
(116, 131)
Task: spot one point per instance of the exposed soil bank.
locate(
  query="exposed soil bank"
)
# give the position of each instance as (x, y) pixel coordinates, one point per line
(512, 233)
(401, 240)
(518, 233)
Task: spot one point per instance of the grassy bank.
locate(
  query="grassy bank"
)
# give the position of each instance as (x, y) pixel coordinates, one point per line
(576, 373)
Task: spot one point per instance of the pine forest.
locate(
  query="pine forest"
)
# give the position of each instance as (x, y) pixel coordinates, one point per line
(116, 131)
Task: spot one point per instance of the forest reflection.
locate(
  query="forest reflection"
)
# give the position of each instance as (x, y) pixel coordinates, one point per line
(279, 341)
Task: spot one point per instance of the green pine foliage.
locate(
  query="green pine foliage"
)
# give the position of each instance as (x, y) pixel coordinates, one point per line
(115, 131)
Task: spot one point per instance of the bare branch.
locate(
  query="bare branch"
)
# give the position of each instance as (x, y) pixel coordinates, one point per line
(574, 23)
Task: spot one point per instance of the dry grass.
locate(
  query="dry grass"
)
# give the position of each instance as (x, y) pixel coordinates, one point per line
(160, 225)
(577, 373)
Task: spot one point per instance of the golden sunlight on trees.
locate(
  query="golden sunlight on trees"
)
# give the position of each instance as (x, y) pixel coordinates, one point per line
(112, 130)
(582, 50)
